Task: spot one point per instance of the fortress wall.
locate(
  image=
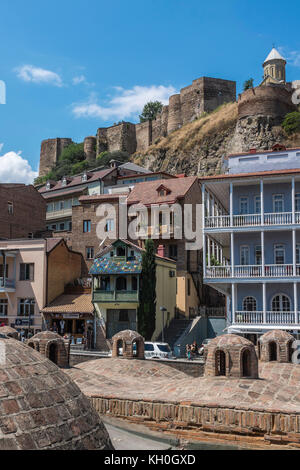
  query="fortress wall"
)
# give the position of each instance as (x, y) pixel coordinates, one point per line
(174, 119)
(90, 148)
(119, 137)
(143, 135)
(51, 150)
(217, 92)
(267, 100)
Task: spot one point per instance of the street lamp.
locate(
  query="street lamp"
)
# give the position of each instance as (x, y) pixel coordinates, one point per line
(163, 310)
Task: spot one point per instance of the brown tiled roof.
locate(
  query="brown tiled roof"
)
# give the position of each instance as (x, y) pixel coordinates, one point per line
(146, 193)
(78, 180)
(71, 304)
(245, 175)
(147, 175)
(101, 197)
(49, 194)
(258, 152)
(52, 243)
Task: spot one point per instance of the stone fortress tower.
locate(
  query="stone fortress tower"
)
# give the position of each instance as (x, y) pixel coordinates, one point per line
(204, 95)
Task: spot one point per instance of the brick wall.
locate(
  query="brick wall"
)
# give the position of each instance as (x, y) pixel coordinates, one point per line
(29, 211)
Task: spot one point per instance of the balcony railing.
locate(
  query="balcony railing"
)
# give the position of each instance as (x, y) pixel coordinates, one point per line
(271, 318)
(57, 214)
(271, 270)
(252, 220)
(115, 296)
(7, 283)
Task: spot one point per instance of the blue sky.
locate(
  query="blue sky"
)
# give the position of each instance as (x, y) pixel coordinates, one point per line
(73, 66)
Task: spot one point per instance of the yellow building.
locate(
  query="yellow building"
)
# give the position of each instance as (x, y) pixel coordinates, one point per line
(116, 289)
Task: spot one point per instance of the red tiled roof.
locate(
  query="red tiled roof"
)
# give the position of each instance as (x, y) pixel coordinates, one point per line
(49, 194)
(78, 180)
(81, 303)
(101, 197)
(246, 175)
(139, 175)
(146, 193)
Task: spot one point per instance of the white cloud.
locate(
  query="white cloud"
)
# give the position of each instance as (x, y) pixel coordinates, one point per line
(292, 57)
(125, 104)
(78, 80)
(15, 169)
(29, 73)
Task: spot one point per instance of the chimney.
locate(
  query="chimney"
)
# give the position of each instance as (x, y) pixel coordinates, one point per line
(252, 150)
(161, 251)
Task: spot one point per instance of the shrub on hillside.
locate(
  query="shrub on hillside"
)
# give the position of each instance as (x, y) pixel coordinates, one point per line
(291, 123)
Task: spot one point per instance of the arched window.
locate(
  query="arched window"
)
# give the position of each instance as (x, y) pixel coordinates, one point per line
(134, 283)
(220, 363)
(281, 303)
(121, 283)
(246, 363)
(249, 304)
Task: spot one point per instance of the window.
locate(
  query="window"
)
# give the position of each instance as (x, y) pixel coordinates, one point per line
(297, 202)
(105, 283)
(258, 257)
(245, 255)
(64, 182)
(173, 252)
(244, 205)
(121, 251)
(26, 272)
(278, 203)
(10, 208)
(279, 254)
(26, 307)
(297, 255)
(134, 283)
(121, 283)
(89, 252)
(86, 226)
(110, 225)
(257, 205)
(3, 307)
(2, 270)
(62, 226)
(30, 235)
(249, 304)
(281, 303)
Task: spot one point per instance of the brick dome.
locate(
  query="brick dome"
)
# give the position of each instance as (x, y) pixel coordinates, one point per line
(276, 345)
(41, 407)
(231, 356)
(9, 331)
(123, 345)
(53, 346)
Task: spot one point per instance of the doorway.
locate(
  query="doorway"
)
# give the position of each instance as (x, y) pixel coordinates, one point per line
(220, 363)
(246, 363)
(273, 351)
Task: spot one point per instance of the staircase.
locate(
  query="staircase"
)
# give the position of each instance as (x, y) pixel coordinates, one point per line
(174, 331)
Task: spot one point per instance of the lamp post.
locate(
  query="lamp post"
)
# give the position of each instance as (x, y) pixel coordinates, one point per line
(163, 310)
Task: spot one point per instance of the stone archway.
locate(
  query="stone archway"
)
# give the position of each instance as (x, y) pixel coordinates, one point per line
(273, 351)
(220, 360)
(246, 363)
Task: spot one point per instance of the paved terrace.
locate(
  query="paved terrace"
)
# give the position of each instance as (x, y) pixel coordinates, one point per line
(277, 390)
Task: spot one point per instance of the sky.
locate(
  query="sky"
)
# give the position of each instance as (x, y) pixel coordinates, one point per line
(71, 66)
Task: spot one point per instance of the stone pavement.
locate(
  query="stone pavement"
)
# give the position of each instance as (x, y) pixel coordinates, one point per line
(277, 390)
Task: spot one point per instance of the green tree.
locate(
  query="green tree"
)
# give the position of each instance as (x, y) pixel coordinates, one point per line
(147, 306)
(74, 153)
(291, 123)
(248, 84)
(151, 110)
(105, 157)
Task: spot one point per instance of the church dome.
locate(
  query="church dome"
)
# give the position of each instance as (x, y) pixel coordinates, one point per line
(41, 407)
(274, 55)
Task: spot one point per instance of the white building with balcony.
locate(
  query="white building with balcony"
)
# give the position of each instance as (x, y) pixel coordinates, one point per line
(252, 240)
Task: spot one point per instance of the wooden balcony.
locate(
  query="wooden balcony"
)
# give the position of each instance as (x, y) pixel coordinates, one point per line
(115, 296)
(270, 318)
(254, 271)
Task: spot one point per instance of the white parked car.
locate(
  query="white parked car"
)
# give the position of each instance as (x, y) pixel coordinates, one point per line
(158, 351)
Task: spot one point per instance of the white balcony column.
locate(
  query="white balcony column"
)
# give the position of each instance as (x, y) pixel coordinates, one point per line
(262, 238)
(213, 206)
(233, 301)
(208, 252)
(295, 302)
(294, 253)
(203, 228)
(232, 253)
(262, 201)
(264, 303)
(15, 269)
(231, 205)
(293, 200)
(222, 256)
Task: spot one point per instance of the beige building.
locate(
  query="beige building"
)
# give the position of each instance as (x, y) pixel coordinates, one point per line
(32, 273)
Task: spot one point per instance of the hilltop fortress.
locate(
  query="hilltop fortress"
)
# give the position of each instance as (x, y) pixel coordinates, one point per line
(272, 99)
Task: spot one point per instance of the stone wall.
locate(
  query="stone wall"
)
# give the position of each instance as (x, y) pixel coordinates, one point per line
(51, 150)
(270, 427)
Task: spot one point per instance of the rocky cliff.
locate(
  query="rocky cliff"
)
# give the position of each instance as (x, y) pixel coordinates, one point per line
(198, 147)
